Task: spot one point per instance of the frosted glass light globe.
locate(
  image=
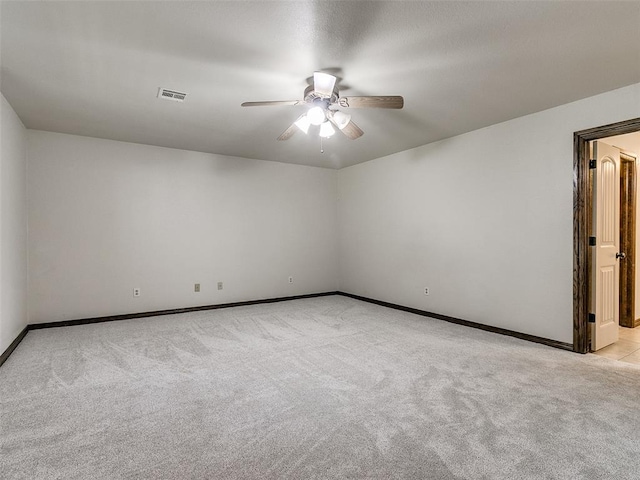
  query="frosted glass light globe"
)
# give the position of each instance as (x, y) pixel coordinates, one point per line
(341, 119)
(326, 130)
(316, 115)
(303, 123)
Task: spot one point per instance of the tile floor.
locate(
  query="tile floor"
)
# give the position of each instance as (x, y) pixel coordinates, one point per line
(626, 349)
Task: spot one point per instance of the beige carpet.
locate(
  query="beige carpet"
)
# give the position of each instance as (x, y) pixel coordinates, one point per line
(328, 387)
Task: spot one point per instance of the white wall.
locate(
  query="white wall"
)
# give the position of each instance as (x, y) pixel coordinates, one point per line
(106, 216)
(13, 225)
(484, 220)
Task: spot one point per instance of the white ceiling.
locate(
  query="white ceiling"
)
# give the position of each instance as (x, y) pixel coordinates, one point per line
(94, 68)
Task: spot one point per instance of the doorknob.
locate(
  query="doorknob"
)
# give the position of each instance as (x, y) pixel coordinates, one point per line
(621, 255)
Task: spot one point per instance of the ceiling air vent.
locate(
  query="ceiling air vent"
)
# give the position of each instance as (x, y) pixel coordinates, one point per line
(171, 95)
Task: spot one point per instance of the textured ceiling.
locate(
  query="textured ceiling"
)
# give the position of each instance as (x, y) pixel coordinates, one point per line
(94, 68)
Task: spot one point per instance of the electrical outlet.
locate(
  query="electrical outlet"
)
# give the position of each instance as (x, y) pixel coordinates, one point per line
(426, 290)
(290, 279)
(196, 287)
(136, 292)
(220, 285)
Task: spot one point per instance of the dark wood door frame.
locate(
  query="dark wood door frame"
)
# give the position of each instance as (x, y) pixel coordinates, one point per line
(627, 239)
(582, 223)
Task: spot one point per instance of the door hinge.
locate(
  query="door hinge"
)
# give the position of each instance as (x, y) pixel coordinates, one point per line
(592, 241)
(592, 164)
(592, 318)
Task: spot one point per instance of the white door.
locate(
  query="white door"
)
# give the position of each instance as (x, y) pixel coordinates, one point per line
(605, 254)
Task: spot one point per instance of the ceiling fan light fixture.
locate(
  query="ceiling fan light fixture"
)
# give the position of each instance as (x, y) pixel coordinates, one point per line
(326, 130)
(316, 116)
(341, 119)
(322, 98)
(303, 123)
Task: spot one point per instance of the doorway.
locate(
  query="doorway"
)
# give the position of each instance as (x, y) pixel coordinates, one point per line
(582, 224)
(628, 228)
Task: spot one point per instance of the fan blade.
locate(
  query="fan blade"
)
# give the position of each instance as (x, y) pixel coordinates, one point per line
(288, 133)
(273, 103)
(352, 131)
(323, 84)
(371, 102)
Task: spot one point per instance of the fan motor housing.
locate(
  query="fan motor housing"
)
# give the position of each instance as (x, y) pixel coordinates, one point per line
(310, 96)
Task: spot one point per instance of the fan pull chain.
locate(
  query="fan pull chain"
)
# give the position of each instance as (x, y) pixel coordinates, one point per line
(321, 149)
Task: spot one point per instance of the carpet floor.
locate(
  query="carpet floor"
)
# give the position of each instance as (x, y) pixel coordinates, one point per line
(327, 387)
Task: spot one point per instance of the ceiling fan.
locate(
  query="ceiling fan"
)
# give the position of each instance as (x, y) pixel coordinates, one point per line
(322, 98)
